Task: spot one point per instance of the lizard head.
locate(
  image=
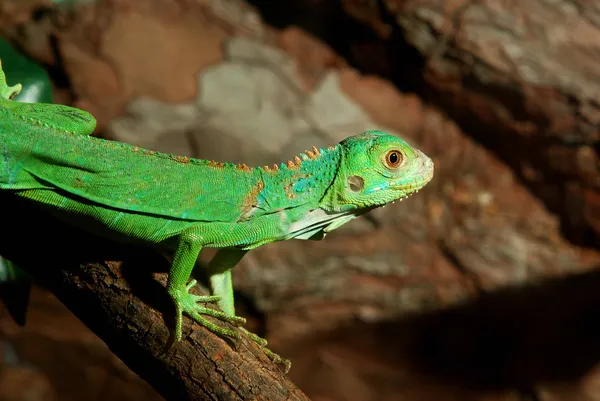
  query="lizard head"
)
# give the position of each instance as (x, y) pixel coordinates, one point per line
(376, 168)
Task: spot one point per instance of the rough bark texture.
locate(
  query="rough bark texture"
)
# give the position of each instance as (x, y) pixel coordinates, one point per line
(362, 313)
(521, 77)
(113, 293)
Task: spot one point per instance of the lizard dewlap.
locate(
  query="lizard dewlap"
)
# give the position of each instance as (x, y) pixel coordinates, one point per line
(183, 205)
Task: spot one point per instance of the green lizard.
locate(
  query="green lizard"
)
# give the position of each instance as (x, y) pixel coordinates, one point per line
(183, 205)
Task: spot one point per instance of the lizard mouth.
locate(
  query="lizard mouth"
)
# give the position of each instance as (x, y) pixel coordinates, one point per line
(406, 196)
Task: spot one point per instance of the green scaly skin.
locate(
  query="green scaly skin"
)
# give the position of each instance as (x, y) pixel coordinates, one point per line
(184, 205)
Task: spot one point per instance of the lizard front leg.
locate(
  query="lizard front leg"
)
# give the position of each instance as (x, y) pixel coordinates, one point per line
(219, 270)
(188, 248)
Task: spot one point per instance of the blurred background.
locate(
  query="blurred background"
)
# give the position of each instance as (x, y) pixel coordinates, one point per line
(484, 286)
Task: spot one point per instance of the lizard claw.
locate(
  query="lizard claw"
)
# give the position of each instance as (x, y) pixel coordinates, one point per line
(190, 305)
(262, 343)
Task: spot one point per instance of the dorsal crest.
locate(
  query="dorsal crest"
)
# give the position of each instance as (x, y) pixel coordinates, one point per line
(296, 162)
(293, 164)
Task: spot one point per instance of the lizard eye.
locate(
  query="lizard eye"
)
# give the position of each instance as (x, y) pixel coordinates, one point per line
(393, 158)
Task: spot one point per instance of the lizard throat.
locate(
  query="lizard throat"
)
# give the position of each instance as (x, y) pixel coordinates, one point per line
(317, 223)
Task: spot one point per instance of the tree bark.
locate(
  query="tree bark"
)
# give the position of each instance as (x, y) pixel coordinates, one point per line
(111, 289)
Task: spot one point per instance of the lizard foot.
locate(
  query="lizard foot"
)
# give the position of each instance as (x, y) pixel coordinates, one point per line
(189, 304)
(262, 343)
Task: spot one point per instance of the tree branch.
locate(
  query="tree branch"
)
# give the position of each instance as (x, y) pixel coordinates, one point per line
(112, 289)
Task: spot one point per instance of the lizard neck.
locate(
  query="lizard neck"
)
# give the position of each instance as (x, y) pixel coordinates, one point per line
(301, 182)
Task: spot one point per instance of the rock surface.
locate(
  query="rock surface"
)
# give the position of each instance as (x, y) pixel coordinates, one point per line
(522, 78)
(357, 311)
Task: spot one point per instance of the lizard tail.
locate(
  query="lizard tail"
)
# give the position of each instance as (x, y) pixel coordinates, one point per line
(16, 288)
(7, 92)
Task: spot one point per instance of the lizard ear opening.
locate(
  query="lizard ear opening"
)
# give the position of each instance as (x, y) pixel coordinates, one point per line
(356, 183)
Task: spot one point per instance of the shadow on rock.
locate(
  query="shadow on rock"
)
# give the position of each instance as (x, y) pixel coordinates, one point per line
(513, 338)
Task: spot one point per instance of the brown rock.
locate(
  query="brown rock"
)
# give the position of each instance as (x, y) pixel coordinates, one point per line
(23, 384)
(308, 54)
(101, 48)
(518, 77)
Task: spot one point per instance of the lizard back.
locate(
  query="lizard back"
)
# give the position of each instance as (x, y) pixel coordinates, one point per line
(119, 175)
(128, 178)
